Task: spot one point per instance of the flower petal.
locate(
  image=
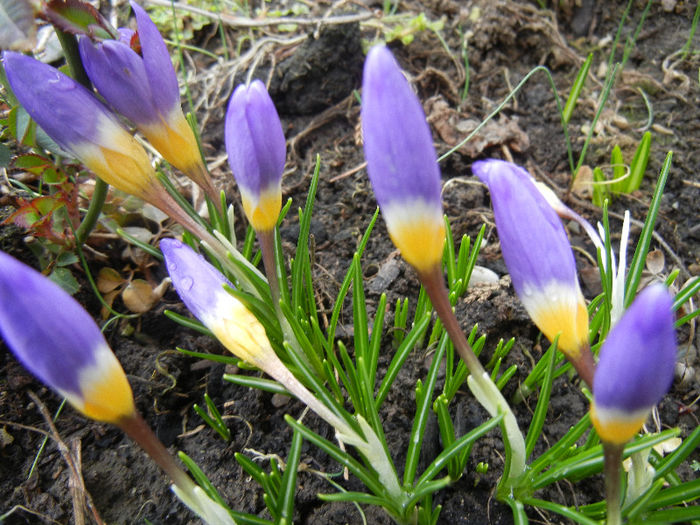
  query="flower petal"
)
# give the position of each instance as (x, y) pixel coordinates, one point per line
(57, 340)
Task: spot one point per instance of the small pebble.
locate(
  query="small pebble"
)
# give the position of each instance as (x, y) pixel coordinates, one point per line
(280, 400)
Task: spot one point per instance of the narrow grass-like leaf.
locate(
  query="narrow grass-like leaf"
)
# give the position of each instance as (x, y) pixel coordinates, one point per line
(188, 322)
(150, 250)
(519, 516)
(345, 286)
(639, 164)
(609, 82)
(376, 339)
(400, 319)
(426, 489)
(369, 479)
(289, 481)
(506, 376)
(448, 257)
(447, 433)
(226, 359)
(301, 256)
(460, 444)
(591, 461)
(674, 515)
(562, 446)
(201, 479)
(359, 310)
(685, 493)
(259, 383)
(409, 342)
(354, 497)
(540, 414)
(576, 89)
(562, 510)
(619, 181)
(420, 420)
(687, 292)
(638, 262)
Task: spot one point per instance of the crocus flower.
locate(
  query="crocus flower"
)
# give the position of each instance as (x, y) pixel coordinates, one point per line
(143, 87)
(81, 125)
(636, 365)
(256, 153)
(538, 255)
(201, 288)
(57, 340)
(401, 161)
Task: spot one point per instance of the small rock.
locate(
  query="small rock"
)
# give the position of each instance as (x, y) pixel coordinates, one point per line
(685, 375)
(280, 400)
(481, 275)
(386, 275)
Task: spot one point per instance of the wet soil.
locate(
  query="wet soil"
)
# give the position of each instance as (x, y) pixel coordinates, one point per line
(312, 83)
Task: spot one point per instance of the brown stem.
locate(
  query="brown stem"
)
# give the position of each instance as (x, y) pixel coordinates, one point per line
(612, 453)
(585, 365)
(138, 430)
(434, 284)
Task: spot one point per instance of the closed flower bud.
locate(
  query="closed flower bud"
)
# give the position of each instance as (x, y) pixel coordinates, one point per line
(201, 288)
(636, 366)
(538, 255)
(81, 125)
(401, 161)
(256, 153)
(143, 87)
(57, 340)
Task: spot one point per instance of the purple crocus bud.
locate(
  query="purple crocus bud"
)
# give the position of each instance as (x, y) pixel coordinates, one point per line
(77, 122)
(636, 365)
(538, 255)
(201, 288)
(57, 340)
(401, 161)
(143, 87)
(256, 153)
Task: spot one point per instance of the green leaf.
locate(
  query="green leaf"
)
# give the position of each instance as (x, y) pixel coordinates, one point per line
(639, 164)
(64, 278)
(576, 89)
(618, 167)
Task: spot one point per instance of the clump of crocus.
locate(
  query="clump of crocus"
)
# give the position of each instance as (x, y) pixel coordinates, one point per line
(634, 372)
(81, 125)
(203, 290)
(136, 77)
(256, 153)
(402, 166)
(57, 340)
(539, 258)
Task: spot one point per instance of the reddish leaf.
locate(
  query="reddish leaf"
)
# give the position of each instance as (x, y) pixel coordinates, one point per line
(79, 18)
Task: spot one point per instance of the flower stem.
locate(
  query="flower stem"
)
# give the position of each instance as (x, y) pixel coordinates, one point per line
(138, 430)
(613, 461)
(479, 381)
(584, 365)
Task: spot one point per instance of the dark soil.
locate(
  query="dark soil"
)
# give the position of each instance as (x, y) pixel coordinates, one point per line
(312, 84)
